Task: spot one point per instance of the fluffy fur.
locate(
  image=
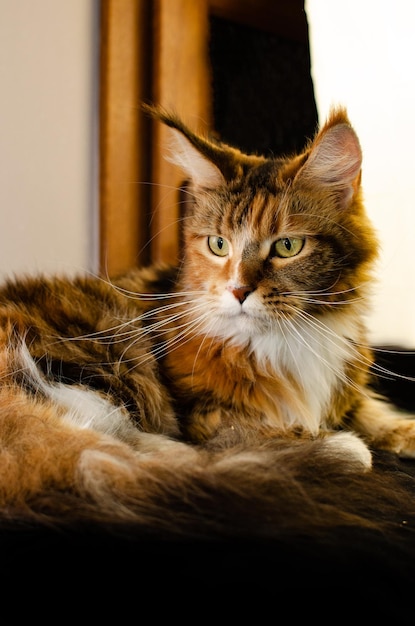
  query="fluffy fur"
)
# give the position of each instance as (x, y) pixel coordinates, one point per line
(229, 395)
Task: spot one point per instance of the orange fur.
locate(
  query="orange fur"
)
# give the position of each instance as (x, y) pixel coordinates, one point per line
(118, 395)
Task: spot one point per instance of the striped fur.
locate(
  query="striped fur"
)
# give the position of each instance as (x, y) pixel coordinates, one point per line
(241, 373)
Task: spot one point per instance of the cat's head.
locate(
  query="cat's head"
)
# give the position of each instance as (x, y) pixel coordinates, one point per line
(268, 240)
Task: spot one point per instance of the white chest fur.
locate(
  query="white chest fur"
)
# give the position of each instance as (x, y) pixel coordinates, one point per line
(315, 354)
(313, 351)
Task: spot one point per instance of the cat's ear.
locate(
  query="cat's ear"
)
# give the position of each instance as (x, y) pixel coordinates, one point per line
(207, 162)
(201, 171)
(335, 158)
(197, 156)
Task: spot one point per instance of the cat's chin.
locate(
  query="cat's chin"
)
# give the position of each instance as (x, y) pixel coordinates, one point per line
(241, 328)
(240, 323)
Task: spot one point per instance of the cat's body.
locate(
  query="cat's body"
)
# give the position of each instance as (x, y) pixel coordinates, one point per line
(231, 374)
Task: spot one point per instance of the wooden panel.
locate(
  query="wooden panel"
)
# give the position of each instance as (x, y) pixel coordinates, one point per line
(124, 231)
(181, 82)
(157, 51)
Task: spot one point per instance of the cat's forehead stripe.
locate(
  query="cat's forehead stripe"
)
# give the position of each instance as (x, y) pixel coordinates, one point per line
(262, 213)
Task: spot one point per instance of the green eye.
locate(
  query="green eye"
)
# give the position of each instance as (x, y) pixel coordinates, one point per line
(218, 245)
(287, 247)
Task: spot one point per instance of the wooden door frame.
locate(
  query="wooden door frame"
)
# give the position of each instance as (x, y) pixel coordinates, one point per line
(150, 51)
(157, 51)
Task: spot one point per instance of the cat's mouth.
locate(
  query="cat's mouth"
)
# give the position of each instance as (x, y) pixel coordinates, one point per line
(230, 322)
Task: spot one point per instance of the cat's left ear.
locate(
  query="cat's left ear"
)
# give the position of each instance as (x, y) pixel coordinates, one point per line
(335, 159)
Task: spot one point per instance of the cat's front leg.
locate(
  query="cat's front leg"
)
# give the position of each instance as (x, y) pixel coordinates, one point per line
(202, 423)
(219, 427)
(385, 427)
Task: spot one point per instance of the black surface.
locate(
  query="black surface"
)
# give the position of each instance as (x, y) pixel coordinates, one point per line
(127, 574)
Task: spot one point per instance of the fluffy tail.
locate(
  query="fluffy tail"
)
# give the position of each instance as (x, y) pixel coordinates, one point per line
(57, 475)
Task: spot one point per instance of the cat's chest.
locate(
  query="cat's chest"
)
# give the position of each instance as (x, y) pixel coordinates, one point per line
(284, 379)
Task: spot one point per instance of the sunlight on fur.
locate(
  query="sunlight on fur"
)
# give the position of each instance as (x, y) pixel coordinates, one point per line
(238, 369)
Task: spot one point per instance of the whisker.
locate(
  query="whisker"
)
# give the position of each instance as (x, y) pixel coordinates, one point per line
(326, 302)
(282, 330)
(183, 337)
(294, 331)
(325, 331)
(117, 330)
(208, 334)
(326, 291)
(327, 219)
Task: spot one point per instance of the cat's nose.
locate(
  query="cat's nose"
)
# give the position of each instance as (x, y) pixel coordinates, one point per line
(240, 293)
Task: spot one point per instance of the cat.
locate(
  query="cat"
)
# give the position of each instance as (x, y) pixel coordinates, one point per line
(240, 375)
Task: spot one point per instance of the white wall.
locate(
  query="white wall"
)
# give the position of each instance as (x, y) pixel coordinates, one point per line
(363, 55)
(48, 77)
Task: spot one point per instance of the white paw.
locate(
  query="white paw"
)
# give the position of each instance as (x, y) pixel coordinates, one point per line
(350, 448)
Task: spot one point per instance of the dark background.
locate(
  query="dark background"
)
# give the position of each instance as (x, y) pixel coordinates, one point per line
(263, 97)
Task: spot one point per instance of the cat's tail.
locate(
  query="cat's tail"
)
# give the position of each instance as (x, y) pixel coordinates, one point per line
(55, 474)
(61, 473)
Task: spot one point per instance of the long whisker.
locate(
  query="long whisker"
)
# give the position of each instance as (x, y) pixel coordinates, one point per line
(184, 336)
(117, 331)
(327, 291)
(300, 335)
(325, 331)
(207, 334)
(329, 220)
(331, 302)
(283, 329)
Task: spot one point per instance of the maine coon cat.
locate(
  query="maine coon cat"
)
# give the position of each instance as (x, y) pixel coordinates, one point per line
(242, 373)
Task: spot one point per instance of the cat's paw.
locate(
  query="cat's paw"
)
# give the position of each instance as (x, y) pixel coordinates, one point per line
(350, 448)
(386, 427)
(401, 436)
(401, 439)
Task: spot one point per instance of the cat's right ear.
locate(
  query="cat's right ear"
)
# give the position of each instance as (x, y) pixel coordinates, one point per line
(188, 150)
(202, 172)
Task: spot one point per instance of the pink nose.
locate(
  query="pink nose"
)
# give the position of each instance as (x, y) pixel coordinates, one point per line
(240, 293)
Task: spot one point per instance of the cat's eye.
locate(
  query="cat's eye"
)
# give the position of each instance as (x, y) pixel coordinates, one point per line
(218, 245)
(287, 247)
